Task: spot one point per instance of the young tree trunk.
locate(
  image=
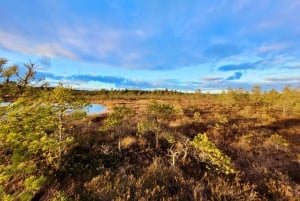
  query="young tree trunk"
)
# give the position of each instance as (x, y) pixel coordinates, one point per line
(284, 111)
(173, 159)
(156, 140)
(185, 151)
(60, 136)
(119, 143)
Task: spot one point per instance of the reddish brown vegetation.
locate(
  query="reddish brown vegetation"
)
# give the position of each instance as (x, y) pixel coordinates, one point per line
(264, 169)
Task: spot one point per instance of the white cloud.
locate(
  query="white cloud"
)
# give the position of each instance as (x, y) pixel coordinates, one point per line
(284, 79)
(213, 78)
(24, 45)
(93, 39)
(265, 48)
(85, 42)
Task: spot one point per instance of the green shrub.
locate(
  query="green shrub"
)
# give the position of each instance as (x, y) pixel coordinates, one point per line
(211, 155)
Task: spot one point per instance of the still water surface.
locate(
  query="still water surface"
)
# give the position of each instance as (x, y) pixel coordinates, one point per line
(92, 109)
(95, 109)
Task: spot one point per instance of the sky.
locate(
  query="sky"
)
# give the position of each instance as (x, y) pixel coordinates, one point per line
(184, 45)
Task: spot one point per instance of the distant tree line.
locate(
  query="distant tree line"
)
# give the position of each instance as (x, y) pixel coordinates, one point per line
(287, 100)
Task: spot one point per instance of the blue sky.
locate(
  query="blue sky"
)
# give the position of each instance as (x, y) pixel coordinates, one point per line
(156, 44)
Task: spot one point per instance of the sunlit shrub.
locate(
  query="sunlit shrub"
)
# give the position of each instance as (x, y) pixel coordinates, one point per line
(277, 141)
(211, 155)
(197, 117)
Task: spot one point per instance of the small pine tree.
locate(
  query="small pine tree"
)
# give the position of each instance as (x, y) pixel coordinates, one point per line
(118, 122)
(156, 115)
(211, 155)
(32, 134)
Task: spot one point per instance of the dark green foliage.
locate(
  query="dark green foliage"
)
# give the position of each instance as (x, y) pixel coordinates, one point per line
(118, 122)
(155, 118)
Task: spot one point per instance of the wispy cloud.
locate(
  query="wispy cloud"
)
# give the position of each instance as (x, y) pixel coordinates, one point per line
(18, 43)
(267, 48)
(212, 78)
(119, 82)
(92, 39)
(234, 67)
(45, 75)
(284, 79)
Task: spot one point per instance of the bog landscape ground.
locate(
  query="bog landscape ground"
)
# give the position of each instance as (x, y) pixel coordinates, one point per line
(148, 145)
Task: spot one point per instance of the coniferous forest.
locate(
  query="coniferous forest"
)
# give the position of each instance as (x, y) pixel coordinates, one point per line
(147, 145)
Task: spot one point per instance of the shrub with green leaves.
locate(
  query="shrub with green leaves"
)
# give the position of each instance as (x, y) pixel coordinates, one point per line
(147, 126)
(278, 141)
(118, 122)
(197, 117)
(208, 153)
(155, 116)
(32, 141)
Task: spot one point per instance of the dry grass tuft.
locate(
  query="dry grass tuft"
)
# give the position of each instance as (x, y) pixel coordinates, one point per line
(128, 141)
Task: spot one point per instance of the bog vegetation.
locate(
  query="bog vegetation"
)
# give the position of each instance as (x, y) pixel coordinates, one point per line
(150, 145)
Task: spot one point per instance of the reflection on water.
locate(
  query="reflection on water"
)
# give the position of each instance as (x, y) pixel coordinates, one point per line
(2, 104)
(95, 109)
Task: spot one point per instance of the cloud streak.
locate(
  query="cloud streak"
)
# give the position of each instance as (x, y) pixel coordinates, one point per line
(234, 67)
(283, 79)
(14, 42)
(119, 82)
(236, 76)
(212, 78)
